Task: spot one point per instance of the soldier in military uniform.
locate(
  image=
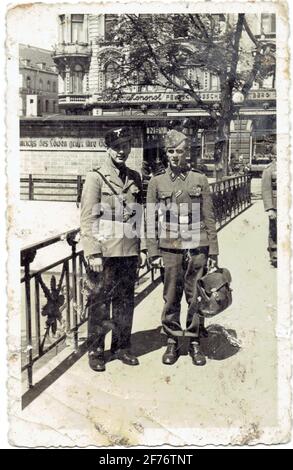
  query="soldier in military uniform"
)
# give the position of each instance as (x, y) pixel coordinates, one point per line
(111, 197)
(181, 235)
(269, 195)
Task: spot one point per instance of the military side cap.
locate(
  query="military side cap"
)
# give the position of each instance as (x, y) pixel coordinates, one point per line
(174, 138)
(118, 136)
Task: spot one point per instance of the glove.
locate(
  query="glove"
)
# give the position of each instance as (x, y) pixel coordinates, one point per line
(272, 214)
(156, 262)
(212, 261)
(142, 259)
(95, 263)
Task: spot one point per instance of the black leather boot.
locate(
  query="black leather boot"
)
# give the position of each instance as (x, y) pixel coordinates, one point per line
(198, 358)
(171, 355)
(97, 360)
(125, 356)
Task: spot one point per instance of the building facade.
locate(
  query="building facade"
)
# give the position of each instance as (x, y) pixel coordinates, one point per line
(88, 60)
(38, 82)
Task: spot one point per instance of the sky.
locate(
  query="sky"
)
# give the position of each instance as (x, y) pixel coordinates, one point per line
(38, 26)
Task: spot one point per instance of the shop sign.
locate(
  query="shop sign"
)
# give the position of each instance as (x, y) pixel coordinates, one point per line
(206, 96)
(66, 143)
(45, 143)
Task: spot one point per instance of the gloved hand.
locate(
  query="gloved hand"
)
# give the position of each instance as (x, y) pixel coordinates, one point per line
(142, 259)
(95, 263)
(272, 214)
(156, 262)
(212, 261)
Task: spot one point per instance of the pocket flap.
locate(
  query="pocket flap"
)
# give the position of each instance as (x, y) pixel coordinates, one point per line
(195, 192)
(165, 194)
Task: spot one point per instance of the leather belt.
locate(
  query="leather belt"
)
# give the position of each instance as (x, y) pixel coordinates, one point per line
(191, 251)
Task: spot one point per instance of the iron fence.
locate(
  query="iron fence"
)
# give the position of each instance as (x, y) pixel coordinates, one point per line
(229, 194)
(230, 197)
(40, 188)
(54, 299)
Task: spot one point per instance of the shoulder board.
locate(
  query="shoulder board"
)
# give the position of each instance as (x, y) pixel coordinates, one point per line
(268, 166)
(161, 171)
(196, 170)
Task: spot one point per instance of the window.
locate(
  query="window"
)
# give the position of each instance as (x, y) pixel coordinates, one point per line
(28, 82)
(40, 84)
(263, 145)
(77, 76)
(111, 73)
(48, 85)
(215, 83)
(268, 23)
(110, 23)
(46, 106)
(54, 87)
(209, 145)
(196, 75)
(62, 28)
(77, 28)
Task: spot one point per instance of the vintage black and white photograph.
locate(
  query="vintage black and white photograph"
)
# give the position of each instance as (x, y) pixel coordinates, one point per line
(148, 271)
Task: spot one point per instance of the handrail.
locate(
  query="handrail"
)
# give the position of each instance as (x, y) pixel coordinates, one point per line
(49, 241)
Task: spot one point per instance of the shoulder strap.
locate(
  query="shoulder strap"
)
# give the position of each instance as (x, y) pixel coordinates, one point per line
(107, 182)
(196, 170)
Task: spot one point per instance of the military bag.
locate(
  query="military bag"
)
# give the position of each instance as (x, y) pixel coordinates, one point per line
(214, 294)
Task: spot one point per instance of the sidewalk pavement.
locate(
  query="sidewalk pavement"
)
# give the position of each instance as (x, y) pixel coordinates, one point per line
(153, 404)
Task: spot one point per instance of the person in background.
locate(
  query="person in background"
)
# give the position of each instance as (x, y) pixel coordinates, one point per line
(269, 195)
(244, 168)
(233, 166)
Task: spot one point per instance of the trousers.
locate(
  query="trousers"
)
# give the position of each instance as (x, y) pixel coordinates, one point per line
(272, 248)
(182, 268)
(112, 289)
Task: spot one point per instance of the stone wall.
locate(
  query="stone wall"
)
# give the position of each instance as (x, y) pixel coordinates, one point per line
(69, 147)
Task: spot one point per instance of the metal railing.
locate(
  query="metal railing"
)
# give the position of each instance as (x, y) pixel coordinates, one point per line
(54, 296)
(40, 188)
(230, 196)
(69, 189)
(46, 299)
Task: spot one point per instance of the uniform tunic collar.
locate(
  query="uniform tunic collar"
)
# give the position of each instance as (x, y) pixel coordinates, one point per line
(181, 173)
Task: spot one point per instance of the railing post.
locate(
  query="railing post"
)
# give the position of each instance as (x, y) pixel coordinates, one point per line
(72, 241)
(79, 188)
(30, 187)
(37, 315)
(249, 189)
(27, 258)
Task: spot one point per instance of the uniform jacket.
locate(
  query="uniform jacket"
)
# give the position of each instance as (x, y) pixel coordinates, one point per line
(269, 186)
(190, 188)
(101, 232)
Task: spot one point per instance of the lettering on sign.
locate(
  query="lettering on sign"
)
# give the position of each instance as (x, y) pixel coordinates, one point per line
(174, 97)
(28, 143)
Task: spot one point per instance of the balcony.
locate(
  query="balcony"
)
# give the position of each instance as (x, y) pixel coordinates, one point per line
(73, 99)
(64, 50)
